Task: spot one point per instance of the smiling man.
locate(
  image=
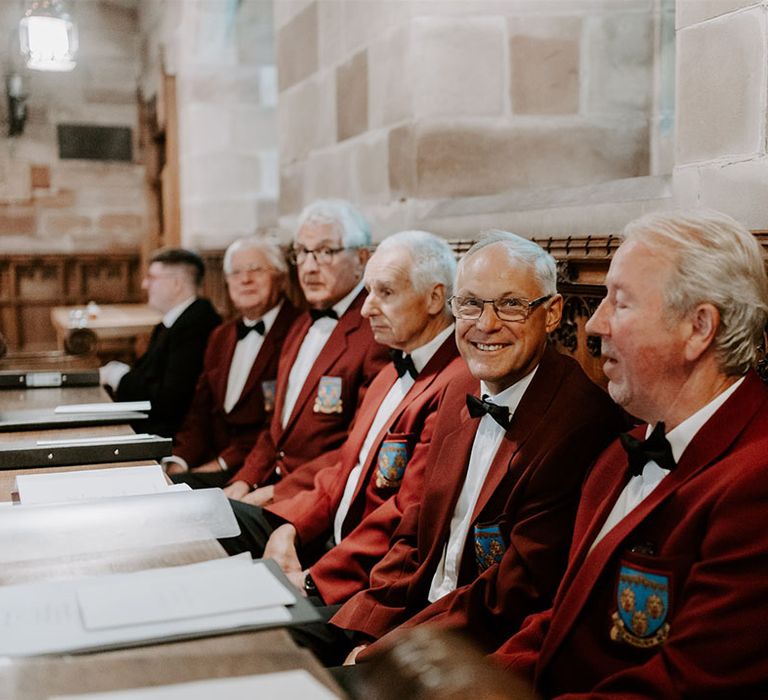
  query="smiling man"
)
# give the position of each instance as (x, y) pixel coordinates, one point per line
(486, 543)
(328, 359)
(235, 394)
(666, 594)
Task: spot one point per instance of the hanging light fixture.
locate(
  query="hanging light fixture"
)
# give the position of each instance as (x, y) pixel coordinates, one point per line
(48, 36)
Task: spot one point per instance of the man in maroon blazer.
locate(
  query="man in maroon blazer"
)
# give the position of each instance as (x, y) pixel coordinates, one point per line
(666, 593)
(490, 534)
(329, 357)
(409, 280)
(235, 394)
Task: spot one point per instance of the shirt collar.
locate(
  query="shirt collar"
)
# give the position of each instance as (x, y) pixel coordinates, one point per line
(173, 315)
(422, 355)
(341, 306)
(681, 435)
(512, 395)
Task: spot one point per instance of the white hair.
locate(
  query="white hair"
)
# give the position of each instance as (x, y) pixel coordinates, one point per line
(433, 259)
(266, 243)
(518, 248)
(717, 261)
(348, 221)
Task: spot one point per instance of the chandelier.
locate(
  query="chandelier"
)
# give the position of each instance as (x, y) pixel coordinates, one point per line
(48, 36)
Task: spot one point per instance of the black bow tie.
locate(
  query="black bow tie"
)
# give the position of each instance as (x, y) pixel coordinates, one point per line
(243, 330)
(403, 363)
(317, 314)
(656, 448)
(479, 407)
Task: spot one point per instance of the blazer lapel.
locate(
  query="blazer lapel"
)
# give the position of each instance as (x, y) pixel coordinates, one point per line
(712, 440)
(529, 413)
(333, 349)
(220, 377)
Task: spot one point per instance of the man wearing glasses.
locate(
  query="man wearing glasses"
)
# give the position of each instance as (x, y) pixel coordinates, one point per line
(167, 372)
(329, 357)
(235, 394)
(486, 544)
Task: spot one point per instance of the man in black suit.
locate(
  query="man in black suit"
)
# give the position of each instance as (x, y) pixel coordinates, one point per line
(167, 372)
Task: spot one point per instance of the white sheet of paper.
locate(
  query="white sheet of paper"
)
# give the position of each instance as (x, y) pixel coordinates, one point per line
(137, 437)
(61, 487)
(117, 407)
(286, 685)
(44, 618)
(163, 595)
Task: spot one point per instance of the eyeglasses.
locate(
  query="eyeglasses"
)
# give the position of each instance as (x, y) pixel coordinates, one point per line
(154, 276)
(323, 256)
(239, 273)
(506, 308)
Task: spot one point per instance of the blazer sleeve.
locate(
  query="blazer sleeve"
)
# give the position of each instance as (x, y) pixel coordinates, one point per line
(259, 463)
(374, 611)
(194, 436)
(345, 570)
(520, 654)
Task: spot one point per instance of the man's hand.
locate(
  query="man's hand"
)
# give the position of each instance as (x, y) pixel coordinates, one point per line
(352, 656)
(297, 579)
(237, 490)
(172, 468)
(281, 547)
(212, 466)
(260, 497)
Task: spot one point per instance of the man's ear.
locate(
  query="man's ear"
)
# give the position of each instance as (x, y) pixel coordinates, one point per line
(436, 300)
(704, 320)
(363, 255)
(554, 310)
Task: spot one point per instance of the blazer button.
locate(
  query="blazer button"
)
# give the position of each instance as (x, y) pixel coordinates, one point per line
(278, 471)
(281, 454)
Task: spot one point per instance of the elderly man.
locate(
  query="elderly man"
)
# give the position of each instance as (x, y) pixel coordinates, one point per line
(665, 594)
(235, 394)
(490, 534)
(167, 372)
(329, 357)
(409, 279)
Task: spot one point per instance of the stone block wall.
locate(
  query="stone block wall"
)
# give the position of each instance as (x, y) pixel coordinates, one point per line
(222, 54)
(722, 75)
(49, 204)
(436, 113)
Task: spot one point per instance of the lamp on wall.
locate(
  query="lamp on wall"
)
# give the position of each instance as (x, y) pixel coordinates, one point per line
(48, 36)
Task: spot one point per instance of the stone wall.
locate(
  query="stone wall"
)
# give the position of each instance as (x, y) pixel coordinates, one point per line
(533, 114)
(49, 204)
(222, 54)
(722, 70)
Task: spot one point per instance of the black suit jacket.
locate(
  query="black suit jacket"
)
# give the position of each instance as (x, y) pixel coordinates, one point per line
(167, 372)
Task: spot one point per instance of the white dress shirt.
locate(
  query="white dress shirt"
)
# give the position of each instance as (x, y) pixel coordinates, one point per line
(311, 347)
(484, 448)
(402, 385)
(246, 351)
(113, 372)
(641, 486)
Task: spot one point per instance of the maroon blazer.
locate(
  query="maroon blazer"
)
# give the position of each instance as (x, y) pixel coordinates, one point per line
(699, 542)
(344, 570)
(350, 356)
(208, 431)
(529, 498)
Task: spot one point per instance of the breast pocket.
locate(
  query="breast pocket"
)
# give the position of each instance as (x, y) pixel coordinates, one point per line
(392, 460)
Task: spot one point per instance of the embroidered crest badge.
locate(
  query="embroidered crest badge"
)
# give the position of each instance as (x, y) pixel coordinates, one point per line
(390, 465)
(328, 398)
(489, 546)
(268, 389)
(642, 599)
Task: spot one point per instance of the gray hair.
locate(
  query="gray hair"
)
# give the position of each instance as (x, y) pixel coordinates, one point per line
(433, 259)
(717, 261)
(348, 221)
(266, 243)
(519, 248)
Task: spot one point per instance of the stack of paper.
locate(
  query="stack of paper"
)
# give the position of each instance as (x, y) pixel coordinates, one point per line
(287, 685)
(65, 487)
(124, 609)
